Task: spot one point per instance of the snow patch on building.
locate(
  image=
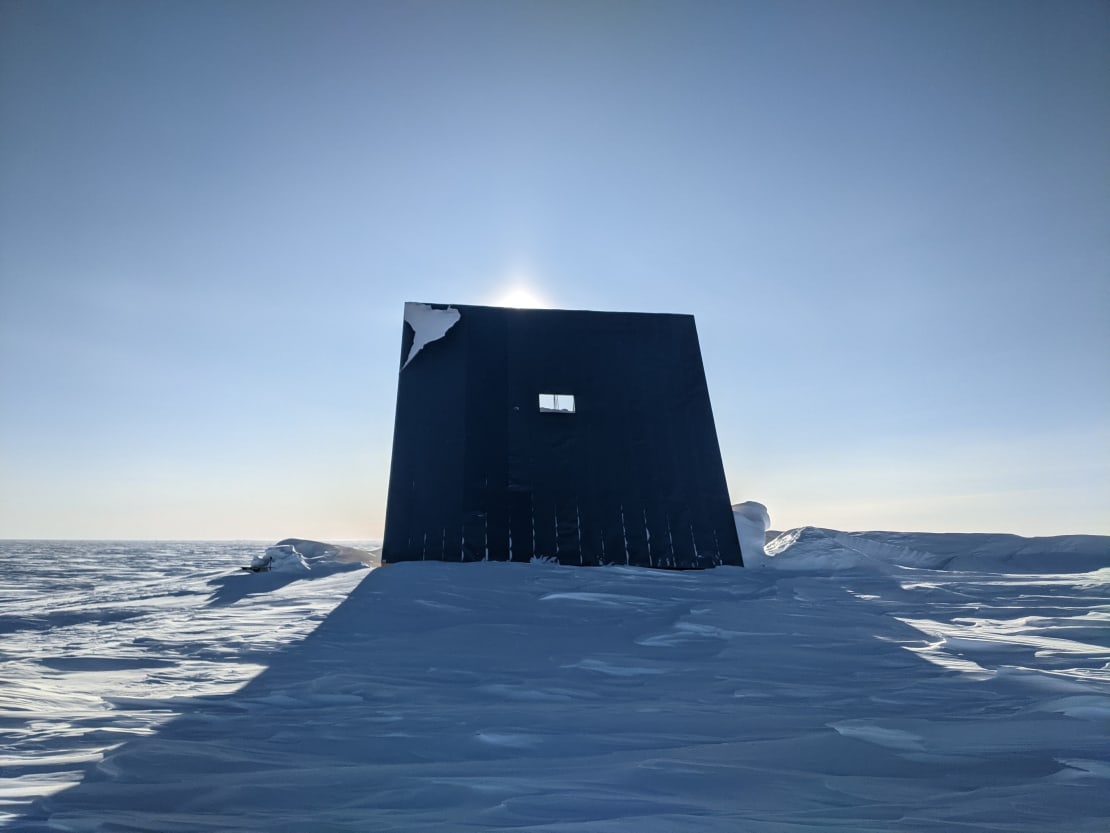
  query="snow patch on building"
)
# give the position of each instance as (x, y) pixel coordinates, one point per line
(428, 324)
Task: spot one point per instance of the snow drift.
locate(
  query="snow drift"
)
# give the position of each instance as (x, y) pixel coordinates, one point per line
(299, 555)
(290, 559)
(863, 682)
(752, 521)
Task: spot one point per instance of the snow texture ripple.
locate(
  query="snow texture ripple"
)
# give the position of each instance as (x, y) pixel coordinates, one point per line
(859, 682)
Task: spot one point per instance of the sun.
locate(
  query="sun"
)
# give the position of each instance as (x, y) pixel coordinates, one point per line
(520, 297)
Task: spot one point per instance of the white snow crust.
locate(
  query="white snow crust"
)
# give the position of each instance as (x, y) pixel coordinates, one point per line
(280, 559)
(752, 521)
(299, 556)
(862, 682)
(428, 325)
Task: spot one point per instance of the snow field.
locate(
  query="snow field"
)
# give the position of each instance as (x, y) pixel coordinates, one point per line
(860, 682)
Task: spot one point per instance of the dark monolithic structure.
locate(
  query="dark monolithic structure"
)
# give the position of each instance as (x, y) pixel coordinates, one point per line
(585, 437)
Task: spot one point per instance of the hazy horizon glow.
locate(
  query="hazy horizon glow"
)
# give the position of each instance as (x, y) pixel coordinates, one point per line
(888, 218)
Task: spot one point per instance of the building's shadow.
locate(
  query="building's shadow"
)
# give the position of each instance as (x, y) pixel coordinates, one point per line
(490, 696)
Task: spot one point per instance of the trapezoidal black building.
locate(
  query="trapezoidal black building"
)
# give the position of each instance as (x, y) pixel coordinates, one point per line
(586, 437)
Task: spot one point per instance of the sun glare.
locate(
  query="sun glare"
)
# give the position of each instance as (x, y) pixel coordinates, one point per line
(520, 297)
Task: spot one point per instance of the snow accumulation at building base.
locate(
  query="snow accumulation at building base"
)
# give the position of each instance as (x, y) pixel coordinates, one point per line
(858, 682)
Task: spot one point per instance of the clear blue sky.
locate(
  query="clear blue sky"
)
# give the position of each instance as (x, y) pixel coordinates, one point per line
(891, 220)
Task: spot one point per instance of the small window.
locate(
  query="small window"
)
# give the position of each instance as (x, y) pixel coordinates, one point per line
(556, 403)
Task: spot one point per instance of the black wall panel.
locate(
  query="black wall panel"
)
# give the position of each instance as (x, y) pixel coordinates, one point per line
(633, 476)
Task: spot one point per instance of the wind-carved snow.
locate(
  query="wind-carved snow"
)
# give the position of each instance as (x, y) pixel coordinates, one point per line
(874, 681)
(428, 324)
(867, 730)
(103, 642)
(752, 521)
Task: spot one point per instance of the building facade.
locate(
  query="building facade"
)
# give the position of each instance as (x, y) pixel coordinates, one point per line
(579, 436)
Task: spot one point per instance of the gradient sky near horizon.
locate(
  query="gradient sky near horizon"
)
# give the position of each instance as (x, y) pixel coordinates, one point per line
(891, 220)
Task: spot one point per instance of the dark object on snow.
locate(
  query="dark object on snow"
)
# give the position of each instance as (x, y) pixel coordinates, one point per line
(586, 437)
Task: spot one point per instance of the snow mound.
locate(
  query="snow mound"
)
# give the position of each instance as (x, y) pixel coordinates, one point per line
(280, 558)
(289, 560)
(817, 549)
(752, 520)
(299, 555)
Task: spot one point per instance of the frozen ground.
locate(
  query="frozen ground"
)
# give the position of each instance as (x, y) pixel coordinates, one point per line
(857, 682)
